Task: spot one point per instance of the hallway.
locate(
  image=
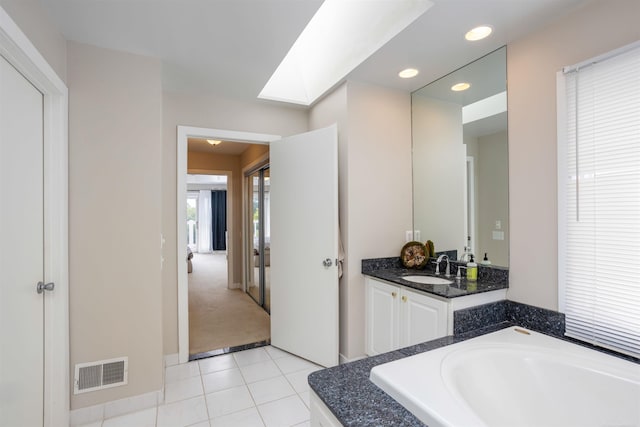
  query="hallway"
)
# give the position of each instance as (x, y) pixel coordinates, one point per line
(221, 317)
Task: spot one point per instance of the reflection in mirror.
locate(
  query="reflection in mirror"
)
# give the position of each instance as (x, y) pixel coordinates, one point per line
(460, 161)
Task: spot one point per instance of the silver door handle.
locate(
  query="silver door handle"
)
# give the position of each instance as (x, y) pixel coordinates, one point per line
(41, 287)
(327, 262)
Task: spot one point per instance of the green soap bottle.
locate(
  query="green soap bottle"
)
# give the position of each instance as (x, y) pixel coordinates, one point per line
(472, 270)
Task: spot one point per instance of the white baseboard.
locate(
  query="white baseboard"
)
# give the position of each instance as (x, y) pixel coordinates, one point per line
(344, 359)
(171, 359)
(115, 408)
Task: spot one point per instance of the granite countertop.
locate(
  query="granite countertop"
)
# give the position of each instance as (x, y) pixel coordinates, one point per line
(357, 402)
(457, 288)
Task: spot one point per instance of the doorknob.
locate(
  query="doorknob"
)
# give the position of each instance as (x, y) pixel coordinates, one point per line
(327, 262)
(41, 287)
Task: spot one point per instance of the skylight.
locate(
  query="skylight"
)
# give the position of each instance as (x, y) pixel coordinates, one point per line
(339, 37)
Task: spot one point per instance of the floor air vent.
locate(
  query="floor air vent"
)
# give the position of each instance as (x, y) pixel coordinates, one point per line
(99, 375)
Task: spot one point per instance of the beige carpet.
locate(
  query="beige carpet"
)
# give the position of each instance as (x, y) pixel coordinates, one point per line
(221, 317)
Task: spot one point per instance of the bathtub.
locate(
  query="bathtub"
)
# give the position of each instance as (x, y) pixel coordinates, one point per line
(515, 377)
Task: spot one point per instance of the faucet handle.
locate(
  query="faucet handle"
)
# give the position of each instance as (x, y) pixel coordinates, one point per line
(437, 267)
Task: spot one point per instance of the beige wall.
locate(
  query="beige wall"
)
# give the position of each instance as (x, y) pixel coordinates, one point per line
(208, 112)
(115, 108)
(210, 162)
(439, 163)
(374, 140)
(532, 63)
(492, 171)
(34, 22)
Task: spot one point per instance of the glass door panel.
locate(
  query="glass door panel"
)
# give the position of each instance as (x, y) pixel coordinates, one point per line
(267, 238)
(253, 258)
(259, 238)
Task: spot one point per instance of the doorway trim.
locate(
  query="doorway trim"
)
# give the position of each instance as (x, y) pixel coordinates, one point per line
(183, 134)
(16, 48)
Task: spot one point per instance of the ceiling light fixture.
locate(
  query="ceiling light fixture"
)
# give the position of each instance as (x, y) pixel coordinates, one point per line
(408, 73)
(338, 38)
(459, 87)
(478, 33)
(214, 142)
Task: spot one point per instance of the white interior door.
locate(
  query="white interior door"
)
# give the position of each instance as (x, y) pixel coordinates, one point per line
(21, 250)
(304, 234)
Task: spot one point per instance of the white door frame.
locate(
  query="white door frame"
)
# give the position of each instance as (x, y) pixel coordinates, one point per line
(16, 48)
(185, 132)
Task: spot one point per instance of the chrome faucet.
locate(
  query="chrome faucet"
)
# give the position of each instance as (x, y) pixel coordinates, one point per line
(447, 272)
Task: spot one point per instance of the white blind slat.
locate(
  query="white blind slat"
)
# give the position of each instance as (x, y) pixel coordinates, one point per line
(600, 278)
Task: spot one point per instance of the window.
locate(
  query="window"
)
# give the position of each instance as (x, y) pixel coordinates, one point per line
(599, 200)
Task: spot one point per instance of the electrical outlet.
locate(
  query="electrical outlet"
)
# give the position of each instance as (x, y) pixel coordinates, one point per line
(408, 235)
(498, 225)
(416, 235)
(498, 235)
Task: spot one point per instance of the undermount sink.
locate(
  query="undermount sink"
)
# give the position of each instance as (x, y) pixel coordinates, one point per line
(427, 280)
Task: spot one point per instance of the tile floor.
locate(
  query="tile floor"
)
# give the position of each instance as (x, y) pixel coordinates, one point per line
(263, 387)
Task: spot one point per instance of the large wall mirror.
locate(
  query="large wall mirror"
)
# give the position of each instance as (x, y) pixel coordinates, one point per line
(460, 160)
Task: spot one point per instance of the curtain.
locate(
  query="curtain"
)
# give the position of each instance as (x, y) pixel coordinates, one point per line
(204, 221)
(219, 219)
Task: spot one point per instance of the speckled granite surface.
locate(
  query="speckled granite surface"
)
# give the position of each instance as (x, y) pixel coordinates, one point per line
(491, 273)
(490, 278)
(535, 318)
(357, 402)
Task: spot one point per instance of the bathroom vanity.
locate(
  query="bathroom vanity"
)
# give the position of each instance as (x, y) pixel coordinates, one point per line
(400, 316)
(409, 306)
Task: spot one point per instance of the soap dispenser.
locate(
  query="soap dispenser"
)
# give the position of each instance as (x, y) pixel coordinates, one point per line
(472, 270)
(485, 261)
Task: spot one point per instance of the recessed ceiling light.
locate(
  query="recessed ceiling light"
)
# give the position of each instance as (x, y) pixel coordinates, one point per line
(408, 73)
(460, 87)
(478, 33)
(213, 141)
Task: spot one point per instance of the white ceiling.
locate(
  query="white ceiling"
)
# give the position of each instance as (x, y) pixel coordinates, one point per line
(231, 47)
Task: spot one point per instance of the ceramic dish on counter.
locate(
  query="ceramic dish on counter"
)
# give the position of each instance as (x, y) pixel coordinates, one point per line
(414, 255)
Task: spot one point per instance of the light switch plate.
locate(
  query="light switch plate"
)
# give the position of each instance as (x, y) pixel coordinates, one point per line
(408, 235)
(498, 235)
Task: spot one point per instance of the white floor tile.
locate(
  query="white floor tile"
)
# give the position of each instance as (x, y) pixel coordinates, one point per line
(221, 380)
(304, 424)
(271, 389)
(248, 357)
(247, 418)
(183, 413)
(293, 363)
(306, 398)
(146, 418)
(275, 352)
(284, 412)
(260, 371)
(217, 363)
(228, 401)
(185, 389)
(299, 379)
(202, 424)
(181, 372)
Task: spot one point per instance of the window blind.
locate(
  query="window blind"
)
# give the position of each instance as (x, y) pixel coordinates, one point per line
(599, 201)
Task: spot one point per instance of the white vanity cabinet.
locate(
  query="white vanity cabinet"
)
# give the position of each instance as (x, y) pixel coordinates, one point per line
(397, 316)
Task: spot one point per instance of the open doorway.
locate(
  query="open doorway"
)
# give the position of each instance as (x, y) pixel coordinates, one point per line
(221, 316)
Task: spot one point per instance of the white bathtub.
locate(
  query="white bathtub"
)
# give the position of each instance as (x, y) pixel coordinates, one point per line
(515, 377)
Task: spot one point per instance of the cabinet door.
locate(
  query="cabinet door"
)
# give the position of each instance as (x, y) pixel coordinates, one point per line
(382, 317)
(423, 318)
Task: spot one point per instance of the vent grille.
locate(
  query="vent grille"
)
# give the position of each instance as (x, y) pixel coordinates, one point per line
(101, 374)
